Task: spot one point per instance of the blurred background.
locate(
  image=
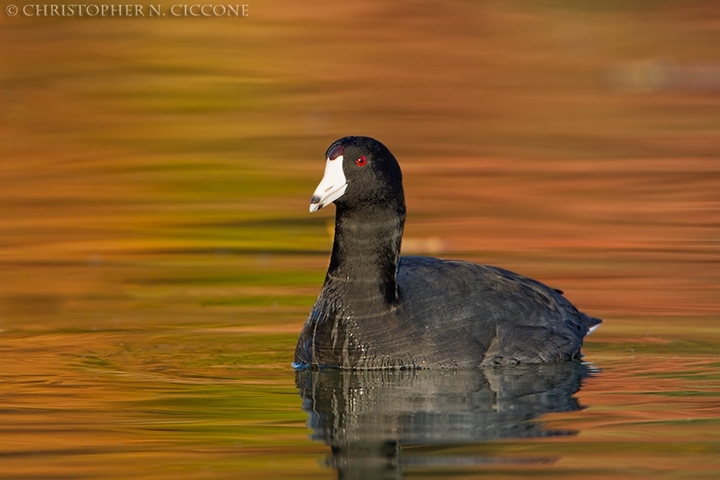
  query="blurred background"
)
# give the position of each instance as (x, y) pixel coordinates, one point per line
(551, 130)
(155, 172)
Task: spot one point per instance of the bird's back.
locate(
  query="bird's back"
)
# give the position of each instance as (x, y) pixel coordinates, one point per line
(501, 316)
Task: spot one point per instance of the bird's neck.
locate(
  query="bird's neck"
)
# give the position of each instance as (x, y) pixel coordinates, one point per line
(365, 256)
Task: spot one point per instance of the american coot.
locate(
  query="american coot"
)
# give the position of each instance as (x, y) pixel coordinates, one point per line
(378, 310)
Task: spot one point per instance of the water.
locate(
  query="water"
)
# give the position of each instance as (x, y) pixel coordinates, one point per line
(157, 259)
(369, 418)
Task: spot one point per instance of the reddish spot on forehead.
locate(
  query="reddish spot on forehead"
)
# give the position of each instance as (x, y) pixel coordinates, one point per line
(336, 152)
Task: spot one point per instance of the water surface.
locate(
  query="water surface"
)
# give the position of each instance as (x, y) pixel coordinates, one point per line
(157, 260)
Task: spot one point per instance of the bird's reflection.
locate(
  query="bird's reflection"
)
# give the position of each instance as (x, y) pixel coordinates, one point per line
(369, 417)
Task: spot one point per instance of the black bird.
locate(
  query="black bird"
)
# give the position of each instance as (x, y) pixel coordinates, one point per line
(378, 310)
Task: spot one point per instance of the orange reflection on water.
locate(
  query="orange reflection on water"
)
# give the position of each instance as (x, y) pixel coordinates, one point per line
(157, 259)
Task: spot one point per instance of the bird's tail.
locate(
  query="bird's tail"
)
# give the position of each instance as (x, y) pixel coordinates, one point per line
(591, 323)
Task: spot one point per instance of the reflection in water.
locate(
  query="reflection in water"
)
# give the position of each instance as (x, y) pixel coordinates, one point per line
(368, 416)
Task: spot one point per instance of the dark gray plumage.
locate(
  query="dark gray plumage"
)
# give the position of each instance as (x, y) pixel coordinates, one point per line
(377, 310)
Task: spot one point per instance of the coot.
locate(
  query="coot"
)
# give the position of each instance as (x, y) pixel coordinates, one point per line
(379, 310)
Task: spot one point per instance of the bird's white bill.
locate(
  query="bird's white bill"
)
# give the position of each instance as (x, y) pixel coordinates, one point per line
(332, 186)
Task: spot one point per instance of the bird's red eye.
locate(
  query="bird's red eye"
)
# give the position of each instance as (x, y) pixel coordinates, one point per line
(361, 161)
